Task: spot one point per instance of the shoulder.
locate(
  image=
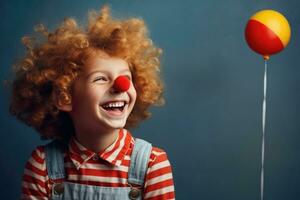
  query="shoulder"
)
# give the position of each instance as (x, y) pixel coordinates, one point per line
(158, 156)
(35, 178)
(35, 167)
(37, 158)
(38, 155)
(159, 182)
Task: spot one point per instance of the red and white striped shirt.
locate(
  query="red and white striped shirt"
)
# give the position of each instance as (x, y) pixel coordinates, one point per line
(107, 168)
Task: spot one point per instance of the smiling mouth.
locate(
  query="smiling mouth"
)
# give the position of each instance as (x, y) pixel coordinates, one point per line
(116, 107)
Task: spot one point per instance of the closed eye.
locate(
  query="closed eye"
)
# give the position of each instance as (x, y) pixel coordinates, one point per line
(100, 78)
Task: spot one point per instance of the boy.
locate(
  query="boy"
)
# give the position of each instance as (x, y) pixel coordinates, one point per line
(81, 88)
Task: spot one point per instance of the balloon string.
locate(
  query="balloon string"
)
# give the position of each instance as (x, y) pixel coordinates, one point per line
(263, 132)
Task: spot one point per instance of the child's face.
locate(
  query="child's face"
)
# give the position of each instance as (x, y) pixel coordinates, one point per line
(95, 103)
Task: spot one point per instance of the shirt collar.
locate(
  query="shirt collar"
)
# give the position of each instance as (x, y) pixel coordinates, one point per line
(113, 154)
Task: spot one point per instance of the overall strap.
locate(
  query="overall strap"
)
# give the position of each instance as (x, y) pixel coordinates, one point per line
(55, 160)
(139, 162)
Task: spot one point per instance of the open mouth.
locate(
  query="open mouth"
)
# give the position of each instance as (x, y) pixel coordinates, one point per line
(116, 107)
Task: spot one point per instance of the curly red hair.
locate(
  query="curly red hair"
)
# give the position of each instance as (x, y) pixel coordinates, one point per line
(52, 64)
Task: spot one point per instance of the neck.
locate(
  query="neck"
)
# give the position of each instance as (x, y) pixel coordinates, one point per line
(97, 141)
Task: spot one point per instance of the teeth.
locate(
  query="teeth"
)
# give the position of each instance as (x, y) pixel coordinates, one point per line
(114, 104)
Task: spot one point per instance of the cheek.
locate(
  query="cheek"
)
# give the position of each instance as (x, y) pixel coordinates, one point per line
(133, 93)
(88, 96)
(94, 94)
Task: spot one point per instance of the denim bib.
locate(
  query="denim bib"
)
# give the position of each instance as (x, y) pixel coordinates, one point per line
(74, 191)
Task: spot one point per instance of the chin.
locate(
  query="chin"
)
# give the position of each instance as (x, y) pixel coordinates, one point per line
(115, 124)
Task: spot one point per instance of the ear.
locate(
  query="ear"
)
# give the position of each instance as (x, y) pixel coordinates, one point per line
(62, 101)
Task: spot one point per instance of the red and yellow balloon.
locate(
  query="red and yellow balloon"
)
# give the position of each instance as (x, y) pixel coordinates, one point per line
(267, 32)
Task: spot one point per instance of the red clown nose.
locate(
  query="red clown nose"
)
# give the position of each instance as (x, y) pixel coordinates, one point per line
(121, 84)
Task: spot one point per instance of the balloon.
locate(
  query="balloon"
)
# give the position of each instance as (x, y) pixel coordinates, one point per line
(121, 84)
(267, 32)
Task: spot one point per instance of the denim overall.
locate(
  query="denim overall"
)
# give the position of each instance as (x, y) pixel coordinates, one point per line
(67, 190)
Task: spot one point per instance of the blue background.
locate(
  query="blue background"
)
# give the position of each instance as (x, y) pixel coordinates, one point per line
(211, 123)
